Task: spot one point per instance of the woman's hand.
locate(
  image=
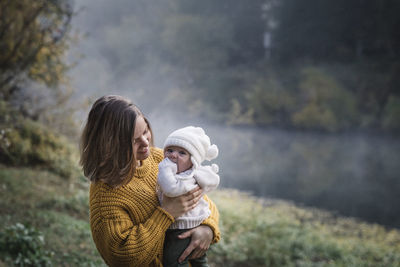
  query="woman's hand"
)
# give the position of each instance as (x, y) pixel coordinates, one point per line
(202, 237)
(177, 206)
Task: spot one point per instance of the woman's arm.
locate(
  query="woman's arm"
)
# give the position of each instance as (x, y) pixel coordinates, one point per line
(121, 242)
(177, 206)
(213, 220)
(204, 235)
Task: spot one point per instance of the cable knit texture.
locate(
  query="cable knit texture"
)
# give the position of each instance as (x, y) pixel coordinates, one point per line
(127, 223)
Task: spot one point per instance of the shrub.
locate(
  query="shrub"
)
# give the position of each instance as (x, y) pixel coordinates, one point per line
(22, 245)
(29, 143)
(271, 101)
(326, 104)
(391, 116)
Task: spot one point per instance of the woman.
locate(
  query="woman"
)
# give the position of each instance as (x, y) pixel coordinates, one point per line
(128, 224)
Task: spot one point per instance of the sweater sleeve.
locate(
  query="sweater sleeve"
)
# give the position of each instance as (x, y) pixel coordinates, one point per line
(207, 178)
(212, 220)
(121, 242)
(127, 232)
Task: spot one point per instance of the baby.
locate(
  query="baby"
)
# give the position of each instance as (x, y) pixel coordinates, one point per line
(180, 172)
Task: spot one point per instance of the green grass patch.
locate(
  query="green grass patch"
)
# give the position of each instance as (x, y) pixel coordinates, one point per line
(55, 208)
(259, 232)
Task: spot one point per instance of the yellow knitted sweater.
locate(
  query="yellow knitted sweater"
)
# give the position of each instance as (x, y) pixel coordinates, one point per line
(127, 223)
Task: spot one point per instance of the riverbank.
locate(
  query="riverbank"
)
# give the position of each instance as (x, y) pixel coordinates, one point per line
(255, 232)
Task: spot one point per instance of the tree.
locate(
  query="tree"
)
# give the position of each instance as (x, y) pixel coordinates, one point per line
(33, 40)
(339, 30)
(242, 18)
(324, 103)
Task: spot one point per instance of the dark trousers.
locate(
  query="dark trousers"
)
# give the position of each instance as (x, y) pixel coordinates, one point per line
(174, 247)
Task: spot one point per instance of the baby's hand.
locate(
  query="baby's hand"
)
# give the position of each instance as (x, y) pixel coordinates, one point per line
(168, 164)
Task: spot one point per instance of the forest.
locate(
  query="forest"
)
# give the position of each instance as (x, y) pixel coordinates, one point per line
(307, 65)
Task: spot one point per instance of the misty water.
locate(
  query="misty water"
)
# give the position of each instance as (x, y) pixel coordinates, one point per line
(350, 174)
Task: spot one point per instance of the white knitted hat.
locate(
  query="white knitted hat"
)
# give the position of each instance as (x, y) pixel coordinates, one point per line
(195, 141)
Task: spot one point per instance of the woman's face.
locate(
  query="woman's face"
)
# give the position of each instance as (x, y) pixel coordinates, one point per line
(141, 139)
(180, 156)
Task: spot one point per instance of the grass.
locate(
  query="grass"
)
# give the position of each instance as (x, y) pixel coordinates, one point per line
(255, 232)
(56, 207)
(277, 233)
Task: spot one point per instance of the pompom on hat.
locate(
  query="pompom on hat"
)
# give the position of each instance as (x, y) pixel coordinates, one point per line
(195, 141)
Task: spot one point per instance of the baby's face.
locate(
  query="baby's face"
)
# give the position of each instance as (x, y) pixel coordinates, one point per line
(180, 156)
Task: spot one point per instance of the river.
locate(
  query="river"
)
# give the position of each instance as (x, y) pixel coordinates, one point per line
(354, 175)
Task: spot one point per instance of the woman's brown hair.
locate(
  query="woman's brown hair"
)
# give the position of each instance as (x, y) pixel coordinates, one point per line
(106, 144)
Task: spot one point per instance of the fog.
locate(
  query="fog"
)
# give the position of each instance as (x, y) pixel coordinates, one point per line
(353, 174)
